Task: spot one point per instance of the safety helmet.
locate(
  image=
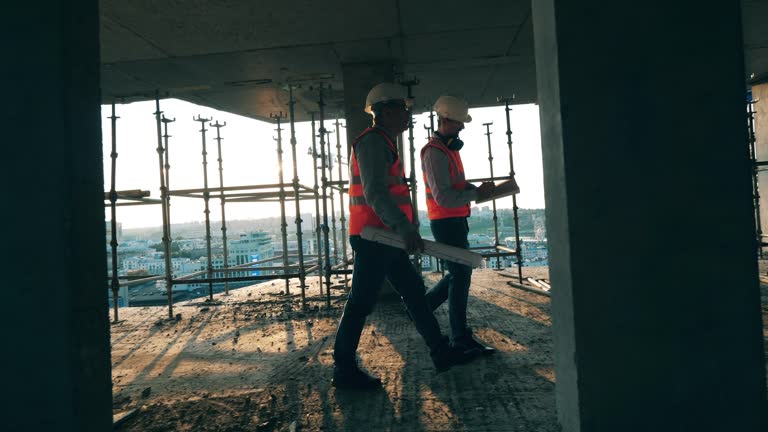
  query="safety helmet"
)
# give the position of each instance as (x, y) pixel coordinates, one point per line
(453, 108)
(385, 92)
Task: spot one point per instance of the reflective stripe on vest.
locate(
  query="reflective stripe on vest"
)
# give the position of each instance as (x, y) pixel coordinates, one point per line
(458, 182)
(360, 213)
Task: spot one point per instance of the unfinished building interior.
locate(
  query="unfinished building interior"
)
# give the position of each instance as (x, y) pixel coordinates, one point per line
(647, 141)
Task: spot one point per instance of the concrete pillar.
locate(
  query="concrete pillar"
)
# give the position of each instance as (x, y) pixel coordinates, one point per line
(55, 321)
(760, 93)
(656, 306)
(359, 78)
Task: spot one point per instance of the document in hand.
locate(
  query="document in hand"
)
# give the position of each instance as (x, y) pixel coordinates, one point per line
(503, 189)
(437, 250)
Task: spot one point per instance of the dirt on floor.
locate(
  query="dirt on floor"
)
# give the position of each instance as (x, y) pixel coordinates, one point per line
(255, 361)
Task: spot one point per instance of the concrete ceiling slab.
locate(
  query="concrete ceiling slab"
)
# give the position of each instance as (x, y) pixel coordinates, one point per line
(237, 55)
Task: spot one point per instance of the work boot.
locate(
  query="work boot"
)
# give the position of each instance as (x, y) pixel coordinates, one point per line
(471, 346)
(446, 355)
(353, 378)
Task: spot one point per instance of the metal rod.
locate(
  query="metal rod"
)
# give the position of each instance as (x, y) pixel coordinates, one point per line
(515, 218)
(167, 158)
(164, 206)
(113, 206)
(317, 204)
(222, 200)
(297, 198)
(226, 189)
(283, 224)
(342, 218)
(326, 244)
(485, 179)
(236, 279)
(142, 202)
(329, 166)
(495, 217)
(207, 211)
(505, 249)
(413, 183)
(141, 281)
(751, 139)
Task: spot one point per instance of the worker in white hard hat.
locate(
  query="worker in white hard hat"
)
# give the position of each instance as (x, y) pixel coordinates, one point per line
(448, 206)
(379, 197)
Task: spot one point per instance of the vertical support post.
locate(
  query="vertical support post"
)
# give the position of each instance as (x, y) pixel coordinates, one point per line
(326, 243)
(493, 202)
(412, 175)
(331, 194)
(283, 225)
(297, 199)
(164, 206)
(431, 121)
(223, 200)
(755, 173)
(167, 158)
(113, 208)
(317, 207)
(207, 211)
(342, 218)
(518, 251)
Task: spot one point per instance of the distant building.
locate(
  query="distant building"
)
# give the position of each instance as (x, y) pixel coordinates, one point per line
(250, 247)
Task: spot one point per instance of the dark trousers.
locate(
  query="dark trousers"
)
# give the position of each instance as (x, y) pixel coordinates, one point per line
(455, 285)
(373, 263)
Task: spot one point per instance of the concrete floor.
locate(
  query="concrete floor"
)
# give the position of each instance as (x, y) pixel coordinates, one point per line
(253, 361)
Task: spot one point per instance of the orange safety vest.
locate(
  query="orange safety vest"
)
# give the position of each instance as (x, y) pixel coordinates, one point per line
(458, 182)
(360, 213)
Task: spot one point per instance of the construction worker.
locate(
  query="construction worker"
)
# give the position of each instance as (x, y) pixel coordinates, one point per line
(448, 198)
(379, 197)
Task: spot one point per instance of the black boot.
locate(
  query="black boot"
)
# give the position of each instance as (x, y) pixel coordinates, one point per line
(472, 347)
(446, 355)
(353, 378)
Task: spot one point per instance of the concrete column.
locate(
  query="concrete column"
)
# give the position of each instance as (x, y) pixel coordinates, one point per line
(55, 320)
(656, 305)
(359, 78)
(760, 93)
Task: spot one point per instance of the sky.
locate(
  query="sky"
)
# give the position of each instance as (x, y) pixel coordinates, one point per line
(249, 154)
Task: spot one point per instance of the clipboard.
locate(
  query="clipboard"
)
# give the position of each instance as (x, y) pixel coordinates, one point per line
(503, 189)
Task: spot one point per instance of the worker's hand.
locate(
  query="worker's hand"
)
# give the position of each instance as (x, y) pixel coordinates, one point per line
(485, 189)
(413, 241)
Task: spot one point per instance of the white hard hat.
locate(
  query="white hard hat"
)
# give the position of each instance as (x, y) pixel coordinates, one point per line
(453, 108)
(385, 92)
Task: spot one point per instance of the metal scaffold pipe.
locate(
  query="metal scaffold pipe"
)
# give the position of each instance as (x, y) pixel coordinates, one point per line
(342, 218)
(495, 217)
(324, 179)
(297, 199)
(222, 199)
(412, 151)
(113, 206)
(752, 140)
(164, 206)
(329, 166)
(317, 205)
(519, 254)
(283, 225)
(167, 158)
(207, 211)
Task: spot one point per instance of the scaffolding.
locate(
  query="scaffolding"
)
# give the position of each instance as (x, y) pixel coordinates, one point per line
(326, 260)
